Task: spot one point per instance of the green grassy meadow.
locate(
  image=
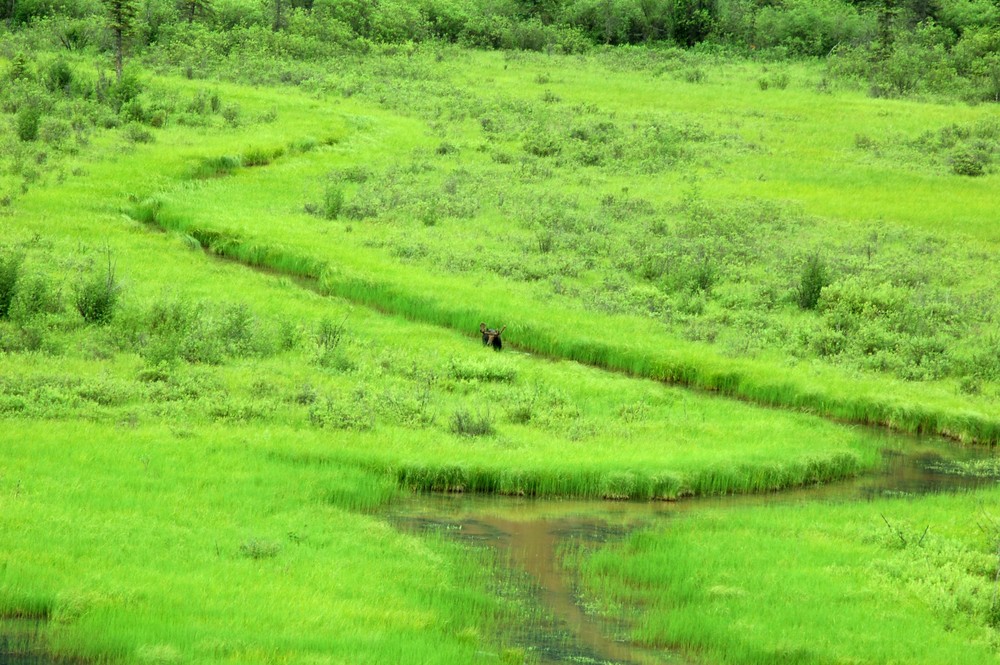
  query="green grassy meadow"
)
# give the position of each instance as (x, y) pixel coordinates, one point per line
(239, 319)
(811, 582)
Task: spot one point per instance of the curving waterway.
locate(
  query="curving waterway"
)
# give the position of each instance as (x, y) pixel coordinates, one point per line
(528, 536)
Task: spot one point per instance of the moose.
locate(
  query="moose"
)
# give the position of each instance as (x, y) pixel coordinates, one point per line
(491, 336)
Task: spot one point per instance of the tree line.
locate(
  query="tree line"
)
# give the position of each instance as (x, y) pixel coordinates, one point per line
(901, 45)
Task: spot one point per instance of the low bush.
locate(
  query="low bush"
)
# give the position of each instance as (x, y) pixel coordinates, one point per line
(969, 162)
(10, 270)
(811, 282)
(97, 296)
(467, 423)
(35, 294)
(333, 200)
(27, 121)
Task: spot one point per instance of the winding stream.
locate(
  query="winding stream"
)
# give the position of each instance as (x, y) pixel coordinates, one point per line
(528, 535)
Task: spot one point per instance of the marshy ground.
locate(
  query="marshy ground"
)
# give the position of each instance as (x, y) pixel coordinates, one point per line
(206, 460)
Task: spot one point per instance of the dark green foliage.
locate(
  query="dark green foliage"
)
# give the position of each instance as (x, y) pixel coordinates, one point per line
(59, 76)
(811, 282)
(10, 271)
(97, 295)
(329, 333)
(137, 133)
(121, 16)
(703, 276)
(124, 90)
(27, 121)
(693, 21)
(192, 10)
(35, 294)
(811, 27)
(970, 162)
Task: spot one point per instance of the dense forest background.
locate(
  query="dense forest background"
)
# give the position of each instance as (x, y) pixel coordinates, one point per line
(896, 47)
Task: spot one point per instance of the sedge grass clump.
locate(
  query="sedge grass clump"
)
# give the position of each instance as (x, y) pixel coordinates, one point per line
(216, 167)
(259, 548)
(327, 340)
(482, 370)
(260, 156)
(473, 424)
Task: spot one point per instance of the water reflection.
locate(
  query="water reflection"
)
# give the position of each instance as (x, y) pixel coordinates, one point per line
(528, 535)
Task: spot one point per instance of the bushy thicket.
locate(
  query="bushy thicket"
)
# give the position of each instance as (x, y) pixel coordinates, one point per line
(895, 48)
(54, 104)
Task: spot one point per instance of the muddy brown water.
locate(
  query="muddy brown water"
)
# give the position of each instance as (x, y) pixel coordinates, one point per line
(528, 536)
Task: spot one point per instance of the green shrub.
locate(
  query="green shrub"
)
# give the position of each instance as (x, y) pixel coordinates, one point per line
(970, 162)
(352, 413)
(702, 276)
(34, 295)
(811, 27)
(608, 21)
(10, 270)
(136, 133)
(59, 77)
(238, 330)
(54, 131)
(97, 296)
(26, 122)
(333, 200)
(231, 114)
(811, 282)
(542, 142)
(122, 92)
(258, 156)
(329, 334)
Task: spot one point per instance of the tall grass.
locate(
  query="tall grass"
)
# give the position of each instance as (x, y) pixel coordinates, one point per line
(561, 328)
(803, 582)
(563, 333)
(162, 538)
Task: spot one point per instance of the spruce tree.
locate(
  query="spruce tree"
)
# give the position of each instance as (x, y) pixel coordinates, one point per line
(121, 22)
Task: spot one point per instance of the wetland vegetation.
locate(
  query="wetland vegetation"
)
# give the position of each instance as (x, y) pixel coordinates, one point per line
(739, 247)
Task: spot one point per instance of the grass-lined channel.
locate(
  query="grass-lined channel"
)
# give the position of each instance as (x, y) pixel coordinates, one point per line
(535, 538)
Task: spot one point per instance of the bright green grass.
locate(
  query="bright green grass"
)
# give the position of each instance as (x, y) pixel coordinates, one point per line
(256, 216)
(124, 499)
(144, 545)
(811, 582)
(806, 140)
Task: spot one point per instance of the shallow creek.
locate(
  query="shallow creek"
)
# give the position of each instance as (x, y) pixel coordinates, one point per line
(528, 536)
